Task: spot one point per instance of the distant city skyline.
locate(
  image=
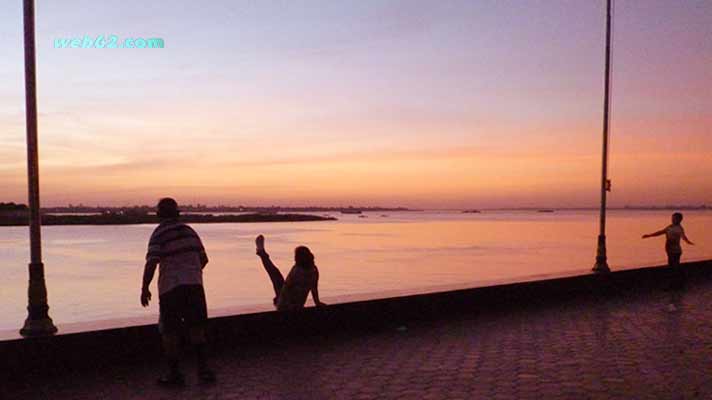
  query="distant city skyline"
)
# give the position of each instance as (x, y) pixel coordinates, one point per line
(421, 104)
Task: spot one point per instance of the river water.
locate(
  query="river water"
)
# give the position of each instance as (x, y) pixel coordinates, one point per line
(94, 272)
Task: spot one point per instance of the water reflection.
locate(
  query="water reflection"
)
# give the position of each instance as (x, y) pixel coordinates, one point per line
(95, 271)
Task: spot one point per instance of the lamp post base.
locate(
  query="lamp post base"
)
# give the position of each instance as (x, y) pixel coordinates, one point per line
(38, 322)
(601, 265)
(38, 327)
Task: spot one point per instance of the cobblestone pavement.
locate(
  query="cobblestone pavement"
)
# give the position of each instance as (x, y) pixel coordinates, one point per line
(628, 347)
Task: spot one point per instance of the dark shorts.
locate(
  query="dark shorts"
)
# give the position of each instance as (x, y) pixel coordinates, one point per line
(674, 259)
(183, 305)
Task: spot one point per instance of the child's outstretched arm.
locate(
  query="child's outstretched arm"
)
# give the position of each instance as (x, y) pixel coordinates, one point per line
(684, 237)
(658, 233)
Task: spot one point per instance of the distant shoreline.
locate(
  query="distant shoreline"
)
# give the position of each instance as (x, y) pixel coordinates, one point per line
(215, 209)
(128, 219)
(627, 208)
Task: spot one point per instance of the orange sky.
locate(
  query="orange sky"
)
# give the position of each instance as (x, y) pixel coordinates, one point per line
(436, 106)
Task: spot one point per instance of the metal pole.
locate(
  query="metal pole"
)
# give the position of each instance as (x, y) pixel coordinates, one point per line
(601, 258)
(38, 321)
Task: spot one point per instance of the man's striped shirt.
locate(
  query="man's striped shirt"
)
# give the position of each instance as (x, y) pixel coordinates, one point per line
(180, 253)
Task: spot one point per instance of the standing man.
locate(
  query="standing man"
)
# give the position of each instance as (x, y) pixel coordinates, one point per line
(177, 248)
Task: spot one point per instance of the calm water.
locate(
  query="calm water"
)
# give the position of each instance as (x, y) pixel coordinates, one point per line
(94, 272)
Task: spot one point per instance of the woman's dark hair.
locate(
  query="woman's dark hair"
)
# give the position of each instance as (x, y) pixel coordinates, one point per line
(167, 208)
(303, 257)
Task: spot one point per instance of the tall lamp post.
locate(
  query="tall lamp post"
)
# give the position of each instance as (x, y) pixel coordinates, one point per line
(601, 258)
(38, 321)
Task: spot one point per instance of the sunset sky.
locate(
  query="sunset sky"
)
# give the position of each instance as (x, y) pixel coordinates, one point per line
(433, 104)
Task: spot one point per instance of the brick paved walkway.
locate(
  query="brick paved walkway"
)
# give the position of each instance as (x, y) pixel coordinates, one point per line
(630, 347)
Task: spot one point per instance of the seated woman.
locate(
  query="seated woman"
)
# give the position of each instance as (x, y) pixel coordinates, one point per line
(291, 293)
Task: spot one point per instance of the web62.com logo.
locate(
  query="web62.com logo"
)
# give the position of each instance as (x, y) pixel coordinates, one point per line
(108, 42)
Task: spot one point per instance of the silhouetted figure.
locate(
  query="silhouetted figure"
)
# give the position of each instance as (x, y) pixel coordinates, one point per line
(673, 233)
(291, 293)
(177, 248)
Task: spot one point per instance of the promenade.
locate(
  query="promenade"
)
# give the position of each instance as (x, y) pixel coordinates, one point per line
(628, 346)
